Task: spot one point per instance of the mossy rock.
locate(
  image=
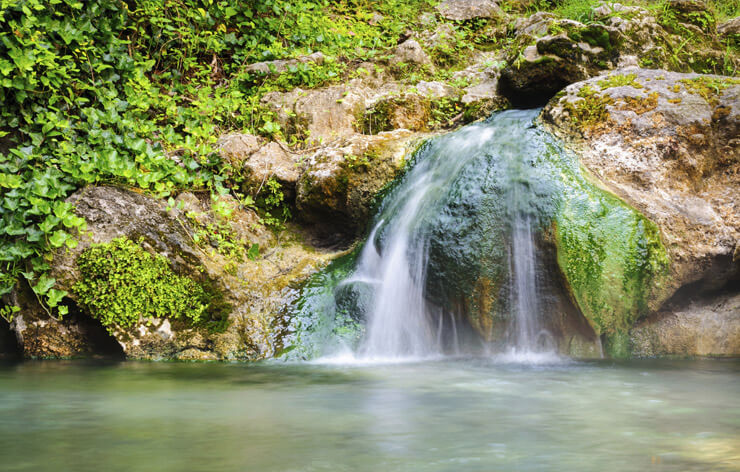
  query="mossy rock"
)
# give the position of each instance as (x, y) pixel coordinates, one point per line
(121, 284)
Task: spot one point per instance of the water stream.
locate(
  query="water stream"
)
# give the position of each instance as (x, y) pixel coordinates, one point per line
(471, 203)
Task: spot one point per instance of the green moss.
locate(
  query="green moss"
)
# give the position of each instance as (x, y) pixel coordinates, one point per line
(591, 111)
(639, 105)
(593, 35)
(619, 80)
(611, 255)
(121, 284)
(709, 88)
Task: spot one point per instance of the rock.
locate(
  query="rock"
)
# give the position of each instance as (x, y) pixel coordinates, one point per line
(730, 32)
(729, 27)
(709, 327)
(665, 143)
(548, 53)
(436, 89)
(319, 115)
(540, 66)
(248, 293)
(534, 25)
(411, 111)
(340, 182)
(272, 161)
(282, 65)
(256, 161)
(236, 148)
(410, 52)
(462, 10)
(693, 13)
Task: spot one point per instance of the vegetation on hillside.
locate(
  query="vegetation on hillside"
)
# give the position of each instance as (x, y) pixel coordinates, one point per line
(136, 92)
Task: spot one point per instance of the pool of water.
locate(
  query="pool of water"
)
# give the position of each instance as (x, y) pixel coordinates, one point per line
(446, 415)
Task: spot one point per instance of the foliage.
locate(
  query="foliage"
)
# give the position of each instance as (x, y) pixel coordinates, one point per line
(136, 92)
(121, 284)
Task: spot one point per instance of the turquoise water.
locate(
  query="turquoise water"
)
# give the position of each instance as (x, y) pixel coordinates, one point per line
(447, 415)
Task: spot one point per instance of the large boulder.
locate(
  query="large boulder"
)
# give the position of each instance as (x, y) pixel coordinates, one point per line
(213, 248)
(666, 143)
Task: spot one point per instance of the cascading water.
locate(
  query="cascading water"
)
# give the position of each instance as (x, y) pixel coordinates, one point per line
(400, 317)
(473, 200)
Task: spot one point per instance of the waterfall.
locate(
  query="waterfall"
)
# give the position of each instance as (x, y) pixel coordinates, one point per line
(400, 319)
(454, 238)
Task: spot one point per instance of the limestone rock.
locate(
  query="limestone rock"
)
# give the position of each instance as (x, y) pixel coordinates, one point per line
(550, 53)
(666, 143)
(319, 115)
(340, 182)
(410, 52)
(236, 148)
(542, 65)
(534, 25)
(279, 66)
(411, 111)
(252, 290)
(730, 31)
(729, 27)
(462, 10)
(708, 327)
(272, 161)
(258, 161)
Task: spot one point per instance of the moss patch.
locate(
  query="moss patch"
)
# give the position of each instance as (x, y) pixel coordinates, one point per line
(121, 284)
(611, 255)
(709, 88)
(619, 80)
(590, 111)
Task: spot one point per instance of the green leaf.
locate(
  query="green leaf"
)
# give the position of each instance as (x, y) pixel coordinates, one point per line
(58, 238)
(254, 252)
(44, 284)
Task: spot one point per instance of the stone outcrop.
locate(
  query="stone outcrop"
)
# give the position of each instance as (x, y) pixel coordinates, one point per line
(340, 183)
(666, 143)
(462, 10)
(197, 242)
(550, 53)
(708, 327)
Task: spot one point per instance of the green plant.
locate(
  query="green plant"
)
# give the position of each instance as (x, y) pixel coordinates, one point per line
(8, 312)
(136, 92)
(121, 284)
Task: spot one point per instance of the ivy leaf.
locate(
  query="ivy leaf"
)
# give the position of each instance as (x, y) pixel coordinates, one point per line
(54, 297)
(44, 284)
(58, 238)
(254, 252)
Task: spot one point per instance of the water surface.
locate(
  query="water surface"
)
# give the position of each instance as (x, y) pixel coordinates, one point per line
(446, 415)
